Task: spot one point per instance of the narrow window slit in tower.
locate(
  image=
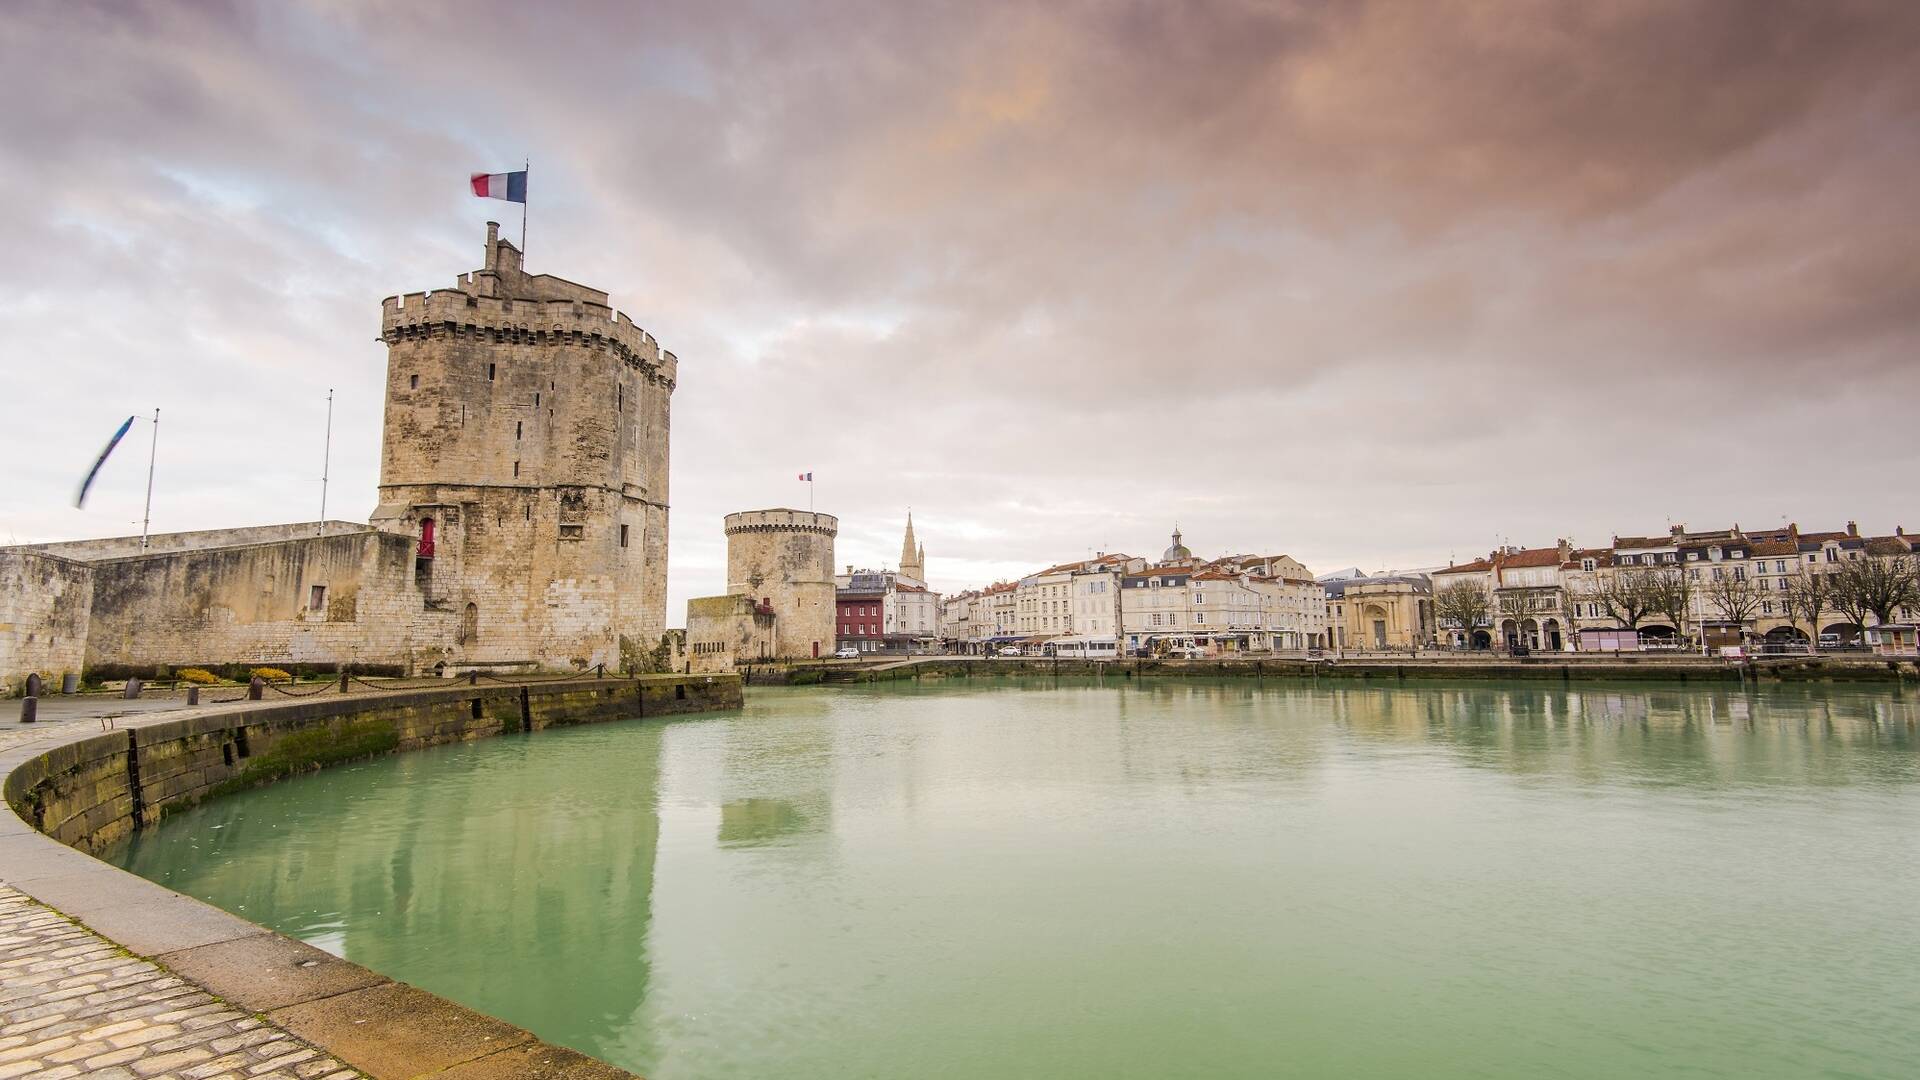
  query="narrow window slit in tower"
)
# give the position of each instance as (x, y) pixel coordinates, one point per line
(516, 469)
(489, 372)
(516, 431)
(413, 382)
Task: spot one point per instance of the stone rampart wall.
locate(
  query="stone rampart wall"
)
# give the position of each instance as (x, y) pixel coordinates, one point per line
(91, 793)
(255, 604)
(121, 547)
(44, 601)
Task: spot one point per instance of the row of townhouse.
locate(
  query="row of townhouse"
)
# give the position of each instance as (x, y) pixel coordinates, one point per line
(1116, 604)
(1715, 588)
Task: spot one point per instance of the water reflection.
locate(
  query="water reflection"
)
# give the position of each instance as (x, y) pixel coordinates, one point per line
(1135, 878)
(462, 870)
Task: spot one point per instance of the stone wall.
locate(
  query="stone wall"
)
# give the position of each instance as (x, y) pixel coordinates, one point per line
(92, 793)
(120, 547)
(723, 631)
(785, 558)
(44, 600)
(255, 603)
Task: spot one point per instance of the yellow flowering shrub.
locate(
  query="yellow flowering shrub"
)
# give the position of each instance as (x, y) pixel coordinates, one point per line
(271, 674)
(197, 675)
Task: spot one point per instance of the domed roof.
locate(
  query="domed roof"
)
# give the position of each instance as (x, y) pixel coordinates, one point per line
(1178, 550)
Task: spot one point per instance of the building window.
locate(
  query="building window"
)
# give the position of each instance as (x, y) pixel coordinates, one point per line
(623, 536)
(413, 382)
(620, 399)
(516, 470)
(572, 532)
(489, 372)
(317, 598)
(516, 431)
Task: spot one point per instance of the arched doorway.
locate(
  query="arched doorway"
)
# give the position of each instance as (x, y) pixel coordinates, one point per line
(1552, 629)
(1840, 634)
(1482, 639)
(1530, 633)
(1510, 633)
(1659, 637)
(470, 624)
(1787, 635)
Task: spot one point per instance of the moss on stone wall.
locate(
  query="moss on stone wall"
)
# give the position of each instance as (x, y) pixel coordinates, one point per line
(311, 748)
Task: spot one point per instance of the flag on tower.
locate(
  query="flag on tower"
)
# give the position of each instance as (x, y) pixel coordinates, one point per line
(511, 186)
(807, 476)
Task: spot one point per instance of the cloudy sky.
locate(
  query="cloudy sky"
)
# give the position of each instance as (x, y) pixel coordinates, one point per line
(1368, 283)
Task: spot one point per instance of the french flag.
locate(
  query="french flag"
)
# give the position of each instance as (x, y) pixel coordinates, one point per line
(511, 186)
(807, 476)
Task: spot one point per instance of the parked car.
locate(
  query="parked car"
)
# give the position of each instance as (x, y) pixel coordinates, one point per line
(1828, 641)
(1009, 650)
(848, 653)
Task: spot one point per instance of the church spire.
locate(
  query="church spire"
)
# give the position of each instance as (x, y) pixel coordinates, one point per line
(913, 556)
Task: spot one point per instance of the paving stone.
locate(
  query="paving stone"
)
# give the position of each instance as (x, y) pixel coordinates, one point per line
(76, 1005)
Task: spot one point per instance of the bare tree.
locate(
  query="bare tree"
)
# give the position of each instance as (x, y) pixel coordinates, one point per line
(1805, 595)
(1875, 586)
(1465, 604)
(1670, 593)
(1734, 595)
(1624, 595)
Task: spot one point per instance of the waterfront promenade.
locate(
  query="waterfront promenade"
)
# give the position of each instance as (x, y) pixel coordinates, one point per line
(110, 975)
(78, 1004)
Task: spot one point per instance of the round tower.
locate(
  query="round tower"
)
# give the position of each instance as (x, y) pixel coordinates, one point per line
(784, 560)
(525, 444)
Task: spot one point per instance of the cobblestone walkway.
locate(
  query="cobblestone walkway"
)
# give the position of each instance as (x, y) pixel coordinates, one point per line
(74, 1004)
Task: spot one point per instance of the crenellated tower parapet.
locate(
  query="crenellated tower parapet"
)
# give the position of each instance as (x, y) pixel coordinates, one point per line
(784, 521)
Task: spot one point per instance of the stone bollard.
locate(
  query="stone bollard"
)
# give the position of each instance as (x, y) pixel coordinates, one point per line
(256, 689)
(132, 689)
(34, 685)
(343, 682)
(29, 710)
(70, 683)
(193, 695)
(473, 677)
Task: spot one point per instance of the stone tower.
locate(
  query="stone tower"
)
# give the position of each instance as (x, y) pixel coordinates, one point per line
(525, 445)
(913, 557)
(783, 559)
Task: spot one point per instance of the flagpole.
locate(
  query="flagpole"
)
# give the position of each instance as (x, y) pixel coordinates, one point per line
(153, 451)
(526, 166)
(326, 463)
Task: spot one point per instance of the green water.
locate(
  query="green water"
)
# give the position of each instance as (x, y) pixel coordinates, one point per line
(1166, 879)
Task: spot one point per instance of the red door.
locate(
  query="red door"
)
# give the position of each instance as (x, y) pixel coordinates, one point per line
(816, 650)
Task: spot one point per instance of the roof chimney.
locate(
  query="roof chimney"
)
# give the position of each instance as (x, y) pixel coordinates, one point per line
(1677, 530)
(1853, 528)
(493, 244)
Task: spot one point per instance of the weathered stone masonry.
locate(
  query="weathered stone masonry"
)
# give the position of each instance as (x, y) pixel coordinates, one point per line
(528, 422)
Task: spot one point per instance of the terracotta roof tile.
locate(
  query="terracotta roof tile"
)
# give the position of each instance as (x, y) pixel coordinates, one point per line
(1531, 557)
